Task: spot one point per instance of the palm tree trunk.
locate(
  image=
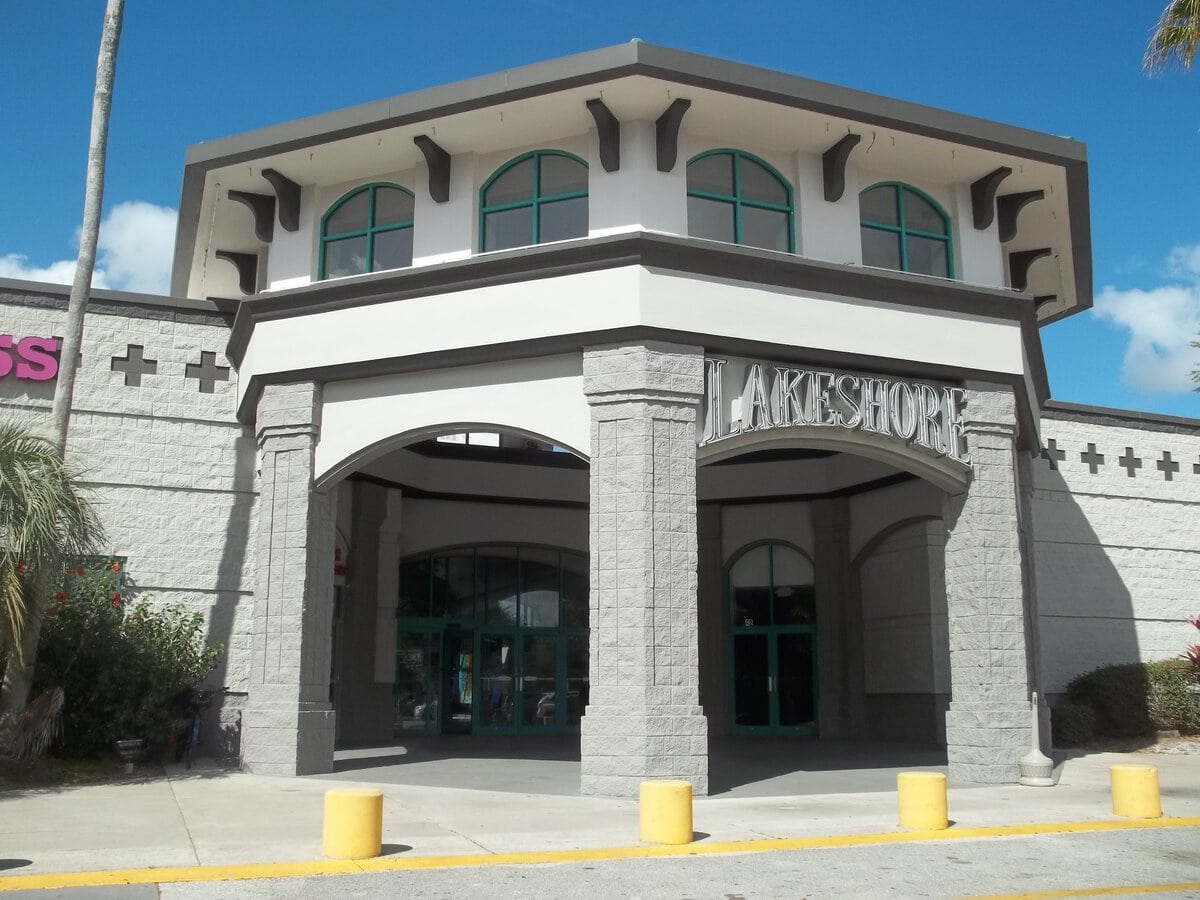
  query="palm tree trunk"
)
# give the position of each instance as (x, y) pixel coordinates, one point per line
(93, 199)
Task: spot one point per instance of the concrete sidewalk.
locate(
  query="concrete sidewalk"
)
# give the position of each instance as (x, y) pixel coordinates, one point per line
(215, 817)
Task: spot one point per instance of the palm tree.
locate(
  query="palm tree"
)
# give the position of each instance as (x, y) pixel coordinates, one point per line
(89, 234)
(1175, 37)
(45, 518)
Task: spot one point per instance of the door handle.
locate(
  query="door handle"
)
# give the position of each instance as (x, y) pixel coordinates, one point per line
(771, 683)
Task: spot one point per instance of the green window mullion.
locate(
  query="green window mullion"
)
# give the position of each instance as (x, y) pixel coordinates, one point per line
(370, 264)
(734, 159)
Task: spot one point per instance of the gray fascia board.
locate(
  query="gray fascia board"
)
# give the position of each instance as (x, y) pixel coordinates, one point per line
(1128, 418)
(634, 58)
(63, 291)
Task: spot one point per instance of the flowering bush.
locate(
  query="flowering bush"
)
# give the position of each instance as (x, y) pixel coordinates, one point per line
(126, 668)
(1193, 652)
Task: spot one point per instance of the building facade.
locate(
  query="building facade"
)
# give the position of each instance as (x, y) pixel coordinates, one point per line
(638, 395)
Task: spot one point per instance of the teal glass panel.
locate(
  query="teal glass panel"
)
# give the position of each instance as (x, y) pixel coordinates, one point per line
(345, 257)
(539, 588)
(393, 249)
(574, 590)
(454, 585)
(751, 685)
(758, 184)
(496, 584)
(497, 688)
(766, 228)
(711, 219)
(927, 256)
(508, 228)
(418, 664)
(880, 249)
(578, 680)
(539, 698)
(392, 206)
(712, 174)
(350, 216)
(878, 204)
(414, 588)
(562, 220)
(561, 175)
(795, 666)
(514, 185)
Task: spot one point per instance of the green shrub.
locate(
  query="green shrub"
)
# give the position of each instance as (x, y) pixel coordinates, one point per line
(126, 668)
(1072, 724)
(1171, 704)
(1119, 697)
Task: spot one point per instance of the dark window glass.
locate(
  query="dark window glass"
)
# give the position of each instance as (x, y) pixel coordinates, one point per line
(796, 694)
(350, 216)
(795, 604)
(414, 588)
(496, 584)
(879, 205)
(921, 215)
(508, 228)
(927, 256)
(711, 174)
(562, 175)
(515, 185)
(347, 256)
(751, 688)
(454, 585)
(578, 678)
(766, 228)
(757, 184)
(711, 219)
(392, 206)
(575, 590)
(881, 248)
(539, 587)
(393, 249)
(563, 220)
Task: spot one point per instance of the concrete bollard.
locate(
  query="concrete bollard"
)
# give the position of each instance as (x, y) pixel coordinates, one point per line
(1135, 792)
(665, 812)
(353, 823)
(921, 797)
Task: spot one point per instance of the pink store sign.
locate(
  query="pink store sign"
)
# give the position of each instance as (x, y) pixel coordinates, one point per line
(29, 358)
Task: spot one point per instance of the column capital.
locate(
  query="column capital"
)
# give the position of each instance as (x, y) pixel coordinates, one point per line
(288, 409)
(990, 409)
(652, 371)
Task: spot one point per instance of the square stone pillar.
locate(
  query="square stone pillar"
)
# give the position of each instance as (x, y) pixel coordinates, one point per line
(288, 723)
(842, 698)
(988, 724)
(644, 719)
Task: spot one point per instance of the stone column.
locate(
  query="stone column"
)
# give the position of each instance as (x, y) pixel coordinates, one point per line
(987, 727)
(644, 719)
(287, 727)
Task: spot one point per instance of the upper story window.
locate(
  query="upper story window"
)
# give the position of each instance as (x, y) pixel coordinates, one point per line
(536, 198)
(739, 199)
(904, 229)
(367, 230)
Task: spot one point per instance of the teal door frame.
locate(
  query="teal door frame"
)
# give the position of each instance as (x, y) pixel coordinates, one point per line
(774, 688)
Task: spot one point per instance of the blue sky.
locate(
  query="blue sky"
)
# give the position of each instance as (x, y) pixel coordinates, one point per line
(193, 72)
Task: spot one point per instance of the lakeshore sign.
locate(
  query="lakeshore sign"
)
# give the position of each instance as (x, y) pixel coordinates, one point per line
(742, 396)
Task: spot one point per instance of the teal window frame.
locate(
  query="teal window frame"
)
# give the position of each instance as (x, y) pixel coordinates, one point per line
(902, 231)
(537, 200)
(735, 198)
(368, 232)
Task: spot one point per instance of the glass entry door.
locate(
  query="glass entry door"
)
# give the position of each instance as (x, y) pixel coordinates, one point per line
(773, 676)
(521, 680)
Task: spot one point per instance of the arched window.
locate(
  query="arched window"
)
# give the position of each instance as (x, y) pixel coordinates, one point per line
(368, 230)
(904, 229)
(534, 199)
(739, 199)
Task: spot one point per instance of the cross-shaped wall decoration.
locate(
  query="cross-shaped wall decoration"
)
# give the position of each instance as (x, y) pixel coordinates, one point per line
(207, 372)
(1052, 454)
(134, 365)
(1167, 466)
(1196, 468)
(1130, 462)
(1093, 459)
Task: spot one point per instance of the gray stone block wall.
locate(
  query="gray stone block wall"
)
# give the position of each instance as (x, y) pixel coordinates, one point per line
(988, 724)
(643, 720)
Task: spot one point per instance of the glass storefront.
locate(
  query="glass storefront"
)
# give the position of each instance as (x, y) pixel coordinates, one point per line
(492, 639)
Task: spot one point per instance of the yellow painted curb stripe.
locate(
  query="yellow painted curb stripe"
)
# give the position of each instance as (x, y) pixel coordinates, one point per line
(1099, 892)
(58, 880)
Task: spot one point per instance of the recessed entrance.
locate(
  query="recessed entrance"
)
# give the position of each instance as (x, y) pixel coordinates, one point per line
(492, 640)
(773, 636)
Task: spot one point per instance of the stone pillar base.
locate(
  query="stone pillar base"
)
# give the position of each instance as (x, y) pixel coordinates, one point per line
(985, 740)
(621, 747)
(288, 739)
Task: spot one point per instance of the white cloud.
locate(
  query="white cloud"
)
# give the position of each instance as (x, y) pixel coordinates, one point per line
(1162, 324)
(134, 253)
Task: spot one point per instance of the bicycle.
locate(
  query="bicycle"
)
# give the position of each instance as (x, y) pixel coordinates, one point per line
(200, 701)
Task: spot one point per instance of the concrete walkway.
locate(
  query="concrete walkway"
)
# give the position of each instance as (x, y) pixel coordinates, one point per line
(211, 816)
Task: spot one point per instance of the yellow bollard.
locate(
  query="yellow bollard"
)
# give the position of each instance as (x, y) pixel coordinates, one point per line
(922, 800)
(353, 823)
(665, 812)
(1135, 792)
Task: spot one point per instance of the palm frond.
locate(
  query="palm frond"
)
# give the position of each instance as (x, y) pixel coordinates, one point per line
(1175, 37)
